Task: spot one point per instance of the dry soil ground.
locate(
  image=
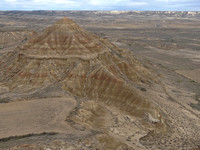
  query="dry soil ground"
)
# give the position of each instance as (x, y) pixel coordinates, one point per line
(35, 116)
(169, 42)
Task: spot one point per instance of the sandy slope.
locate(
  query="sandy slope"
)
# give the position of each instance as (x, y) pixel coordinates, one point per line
(35, 116)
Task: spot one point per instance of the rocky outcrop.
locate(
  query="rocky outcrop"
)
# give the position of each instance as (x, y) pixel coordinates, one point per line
(87, 66)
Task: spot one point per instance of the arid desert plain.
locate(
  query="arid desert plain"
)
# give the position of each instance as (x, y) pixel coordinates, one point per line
(99, 80)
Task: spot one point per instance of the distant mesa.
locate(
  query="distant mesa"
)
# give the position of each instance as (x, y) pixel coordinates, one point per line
(86, 65)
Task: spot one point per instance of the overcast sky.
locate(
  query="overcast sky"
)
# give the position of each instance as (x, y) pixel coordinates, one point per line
(168, 5)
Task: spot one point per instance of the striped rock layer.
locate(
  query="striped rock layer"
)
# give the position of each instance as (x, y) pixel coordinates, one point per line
(87, 66)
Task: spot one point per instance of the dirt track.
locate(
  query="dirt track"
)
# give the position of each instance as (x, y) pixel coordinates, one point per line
(191, 74)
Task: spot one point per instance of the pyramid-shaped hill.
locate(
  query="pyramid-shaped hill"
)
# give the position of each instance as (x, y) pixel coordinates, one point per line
(87, 66)
(63, 40)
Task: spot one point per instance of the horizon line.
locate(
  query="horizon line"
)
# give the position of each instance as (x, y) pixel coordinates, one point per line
(111, 10)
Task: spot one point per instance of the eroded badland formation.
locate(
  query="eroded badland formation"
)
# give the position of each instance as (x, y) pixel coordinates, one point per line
(66, 88)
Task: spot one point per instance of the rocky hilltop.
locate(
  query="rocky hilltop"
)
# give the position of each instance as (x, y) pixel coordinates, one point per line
(86, 65)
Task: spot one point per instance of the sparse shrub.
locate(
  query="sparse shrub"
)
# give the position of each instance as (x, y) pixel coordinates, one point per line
(143, 89)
